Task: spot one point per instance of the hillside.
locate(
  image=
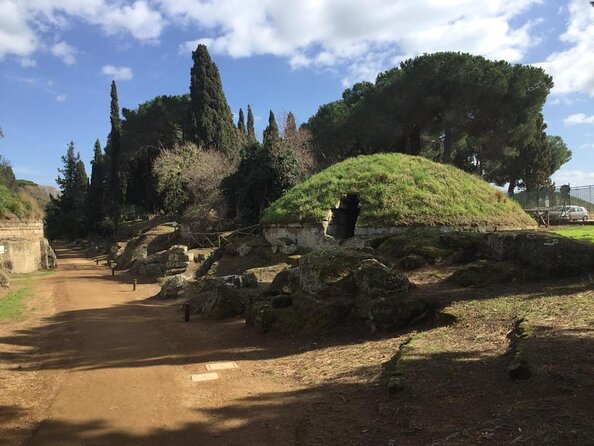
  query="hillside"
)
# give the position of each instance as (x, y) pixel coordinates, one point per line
(18, 205)
(400, 190)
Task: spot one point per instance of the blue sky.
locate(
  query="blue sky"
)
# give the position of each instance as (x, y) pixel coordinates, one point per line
(58, 57)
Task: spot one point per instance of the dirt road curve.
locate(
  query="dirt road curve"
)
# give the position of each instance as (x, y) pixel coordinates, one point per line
(117, 367)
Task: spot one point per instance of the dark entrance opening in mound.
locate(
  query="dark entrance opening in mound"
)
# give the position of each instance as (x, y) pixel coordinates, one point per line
(344, 217)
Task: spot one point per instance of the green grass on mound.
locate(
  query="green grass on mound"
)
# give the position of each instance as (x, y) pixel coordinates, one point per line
(400, 190)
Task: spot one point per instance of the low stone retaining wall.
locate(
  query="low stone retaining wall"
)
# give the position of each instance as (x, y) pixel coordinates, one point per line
(303, 235)
(312, 235)
(23, 248)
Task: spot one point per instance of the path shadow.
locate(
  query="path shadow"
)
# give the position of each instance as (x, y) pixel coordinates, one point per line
(448, 399)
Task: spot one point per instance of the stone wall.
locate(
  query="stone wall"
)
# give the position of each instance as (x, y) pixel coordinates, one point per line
(304, 235)
(22, 246)
(312, 235)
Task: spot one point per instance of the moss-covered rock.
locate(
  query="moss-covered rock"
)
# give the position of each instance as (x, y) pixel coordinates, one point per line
(412, 262)
(328, 268)
(374, 279)
(425, 243)
(395, 311)
(341, 288)
(484, 272)
(173, 287)
(552, 255)
(285, 282)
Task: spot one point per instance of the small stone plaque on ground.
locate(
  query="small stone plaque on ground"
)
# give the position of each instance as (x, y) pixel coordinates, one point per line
(205, 377)
(221, 366)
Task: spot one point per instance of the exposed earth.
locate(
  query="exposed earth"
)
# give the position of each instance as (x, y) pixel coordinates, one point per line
(96, 363)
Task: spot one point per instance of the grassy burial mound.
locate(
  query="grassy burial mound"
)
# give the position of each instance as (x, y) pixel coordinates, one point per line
(400, 190)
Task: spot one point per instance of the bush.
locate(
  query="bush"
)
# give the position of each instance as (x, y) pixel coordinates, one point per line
(187, 175)
(264, 174)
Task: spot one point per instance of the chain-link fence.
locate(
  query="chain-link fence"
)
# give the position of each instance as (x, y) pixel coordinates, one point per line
(560, 196)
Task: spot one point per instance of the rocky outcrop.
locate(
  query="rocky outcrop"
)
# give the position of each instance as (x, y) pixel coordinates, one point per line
(336, 287)
(549, 253)
(173, 287)
(48, 256)
(510, 256)
(326, 269)
(285, 282)
(485, 272)
(165, 263)
(222, 297)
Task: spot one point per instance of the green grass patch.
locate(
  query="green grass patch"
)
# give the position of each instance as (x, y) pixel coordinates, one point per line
(400, 190)
(13, 305)
(584, 233)
(29, 276)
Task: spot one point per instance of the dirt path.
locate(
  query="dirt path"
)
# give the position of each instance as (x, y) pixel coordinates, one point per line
(98, 364)
(118, 370)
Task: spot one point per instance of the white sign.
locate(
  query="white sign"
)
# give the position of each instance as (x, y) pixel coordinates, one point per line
(1, 249)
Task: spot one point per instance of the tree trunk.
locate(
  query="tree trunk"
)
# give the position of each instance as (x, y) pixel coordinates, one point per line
(447, 147)
(511, 188)
(415, 143)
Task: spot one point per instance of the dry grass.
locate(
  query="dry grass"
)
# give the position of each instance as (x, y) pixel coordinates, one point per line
(457, 390)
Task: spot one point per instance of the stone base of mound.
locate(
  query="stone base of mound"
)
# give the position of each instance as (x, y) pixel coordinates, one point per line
(285, 237)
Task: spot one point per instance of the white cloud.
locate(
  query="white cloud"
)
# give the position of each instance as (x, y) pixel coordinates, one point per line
(65, 52)
(117, 73)
(573, 177)
(28, 63)
(60, 98)
(587, 146)
(15, 35)
(352, 35)
(138, 19)
(26, 25)
(578, 118)
(359, 38)
(572, 69)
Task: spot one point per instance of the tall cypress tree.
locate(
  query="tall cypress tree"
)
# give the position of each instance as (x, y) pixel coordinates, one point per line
(241, 130)
(211, 121)
(251, 132)
(115, 179)
(96, 194)
(271, 134)
(290, 127)
(81, 186)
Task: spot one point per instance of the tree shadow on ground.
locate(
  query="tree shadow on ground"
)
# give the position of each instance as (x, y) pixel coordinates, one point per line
(448, 399)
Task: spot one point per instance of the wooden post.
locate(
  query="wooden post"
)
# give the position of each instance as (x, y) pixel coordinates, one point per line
(134, 284)
(96, 261)
(113, 270)
(187, 312)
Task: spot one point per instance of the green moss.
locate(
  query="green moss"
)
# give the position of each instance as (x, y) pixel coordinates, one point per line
(399, 190)
(425, 243)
